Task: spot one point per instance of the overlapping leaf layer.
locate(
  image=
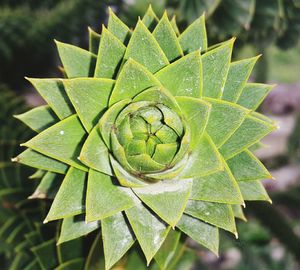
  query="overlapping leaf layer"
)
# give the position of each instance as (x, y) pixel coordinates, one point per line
(151, 130)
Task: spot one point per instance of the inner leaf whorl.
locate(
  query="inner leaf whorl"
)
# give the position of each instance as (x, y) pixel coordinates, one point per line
(150, 135)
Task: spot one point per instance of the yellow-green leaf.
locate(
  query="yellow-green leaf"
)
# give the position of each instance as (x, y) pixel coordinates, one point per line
(105, 198)
(217, 214)
(94, 153)
(239, 72)
(110, 55)
(245, 166)
(117, 238)
(40, 161)
(220, 187)
(224, 120)
(89, 97)
(204, 159)
(194, 37)
(47, 187)
(94, 41)
(253, 94)
(196, 112)
(71, 196)
(249, 132)
(77, 62)
(144, 49)
(117, 27)
(150, 19)
(75, 227)
(167, 251)
(149, 230)
(184, 76)
(238, 212)
(167, 199)
(203, 233)
(174, 26)
(166, 38)
(61, 141)
(133, 79)
(38, 118)
(253, 191)
(215, 65)
(52, 91)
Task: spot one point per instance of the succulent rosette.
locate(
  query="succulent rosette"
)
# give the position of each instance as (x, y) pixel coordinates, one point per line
(154, 131)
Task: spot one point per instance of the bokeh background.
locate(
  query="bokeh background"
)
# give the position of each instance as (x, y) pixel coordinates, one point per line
(271, 27)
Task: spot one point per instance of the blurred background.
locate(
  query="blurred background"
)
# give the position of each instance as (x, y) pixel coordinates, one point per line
(271, 27)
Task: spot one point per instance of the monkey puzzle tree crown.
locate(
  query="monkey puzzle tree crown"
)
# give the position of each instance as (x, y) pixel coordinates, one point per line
(153, 130)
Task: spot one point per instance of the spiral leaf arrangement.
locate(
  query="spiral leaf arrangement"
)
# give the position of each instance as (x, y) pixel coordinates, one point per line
(153, 130)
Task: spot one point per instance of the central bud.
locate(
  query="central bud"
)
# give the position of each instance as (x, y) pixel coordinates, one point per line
(150, 135)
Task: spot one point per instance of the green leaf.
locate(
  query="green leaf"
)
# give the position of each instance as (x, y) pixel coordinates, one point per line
(171, 119)
(110, 55)
(159, 95)
(249, 132)
(174, 26)
(72, 264)
(95, 260)
(94, 153)
(61, 141)
(167, 251)
(117, 238)
(150, 19)
(117, 27)
(112, 199)
(39, 161)
(204, 159)
(149, 230)
(215, 65)
(135, 259)
(38, 118)
(48, 187)
(94, 41)
(38, 174)
(201, 232)
(125, 178)
(166, 198)
(194, 37)
(75, 227)
(166, 38)
(164, 153)
(68, 251)
(90, 98)
(172, 172)
(245, 166)
(224, 120)
(71, 196)
(144, 163)
(253, 94)
(140, 79)
(144, 49)
(238, 212)
(220, 187)
(46, 254)
(217, 214)
(237, 77)
(53, 92)
(108, 119)
(184, 76)
(254, 191)
(196, 113)
(77, 62)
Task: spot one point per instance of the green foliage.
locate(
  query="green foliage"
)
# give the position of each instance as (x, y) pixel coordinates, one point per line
(140, 126)
(27, 30)
(260, 23)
